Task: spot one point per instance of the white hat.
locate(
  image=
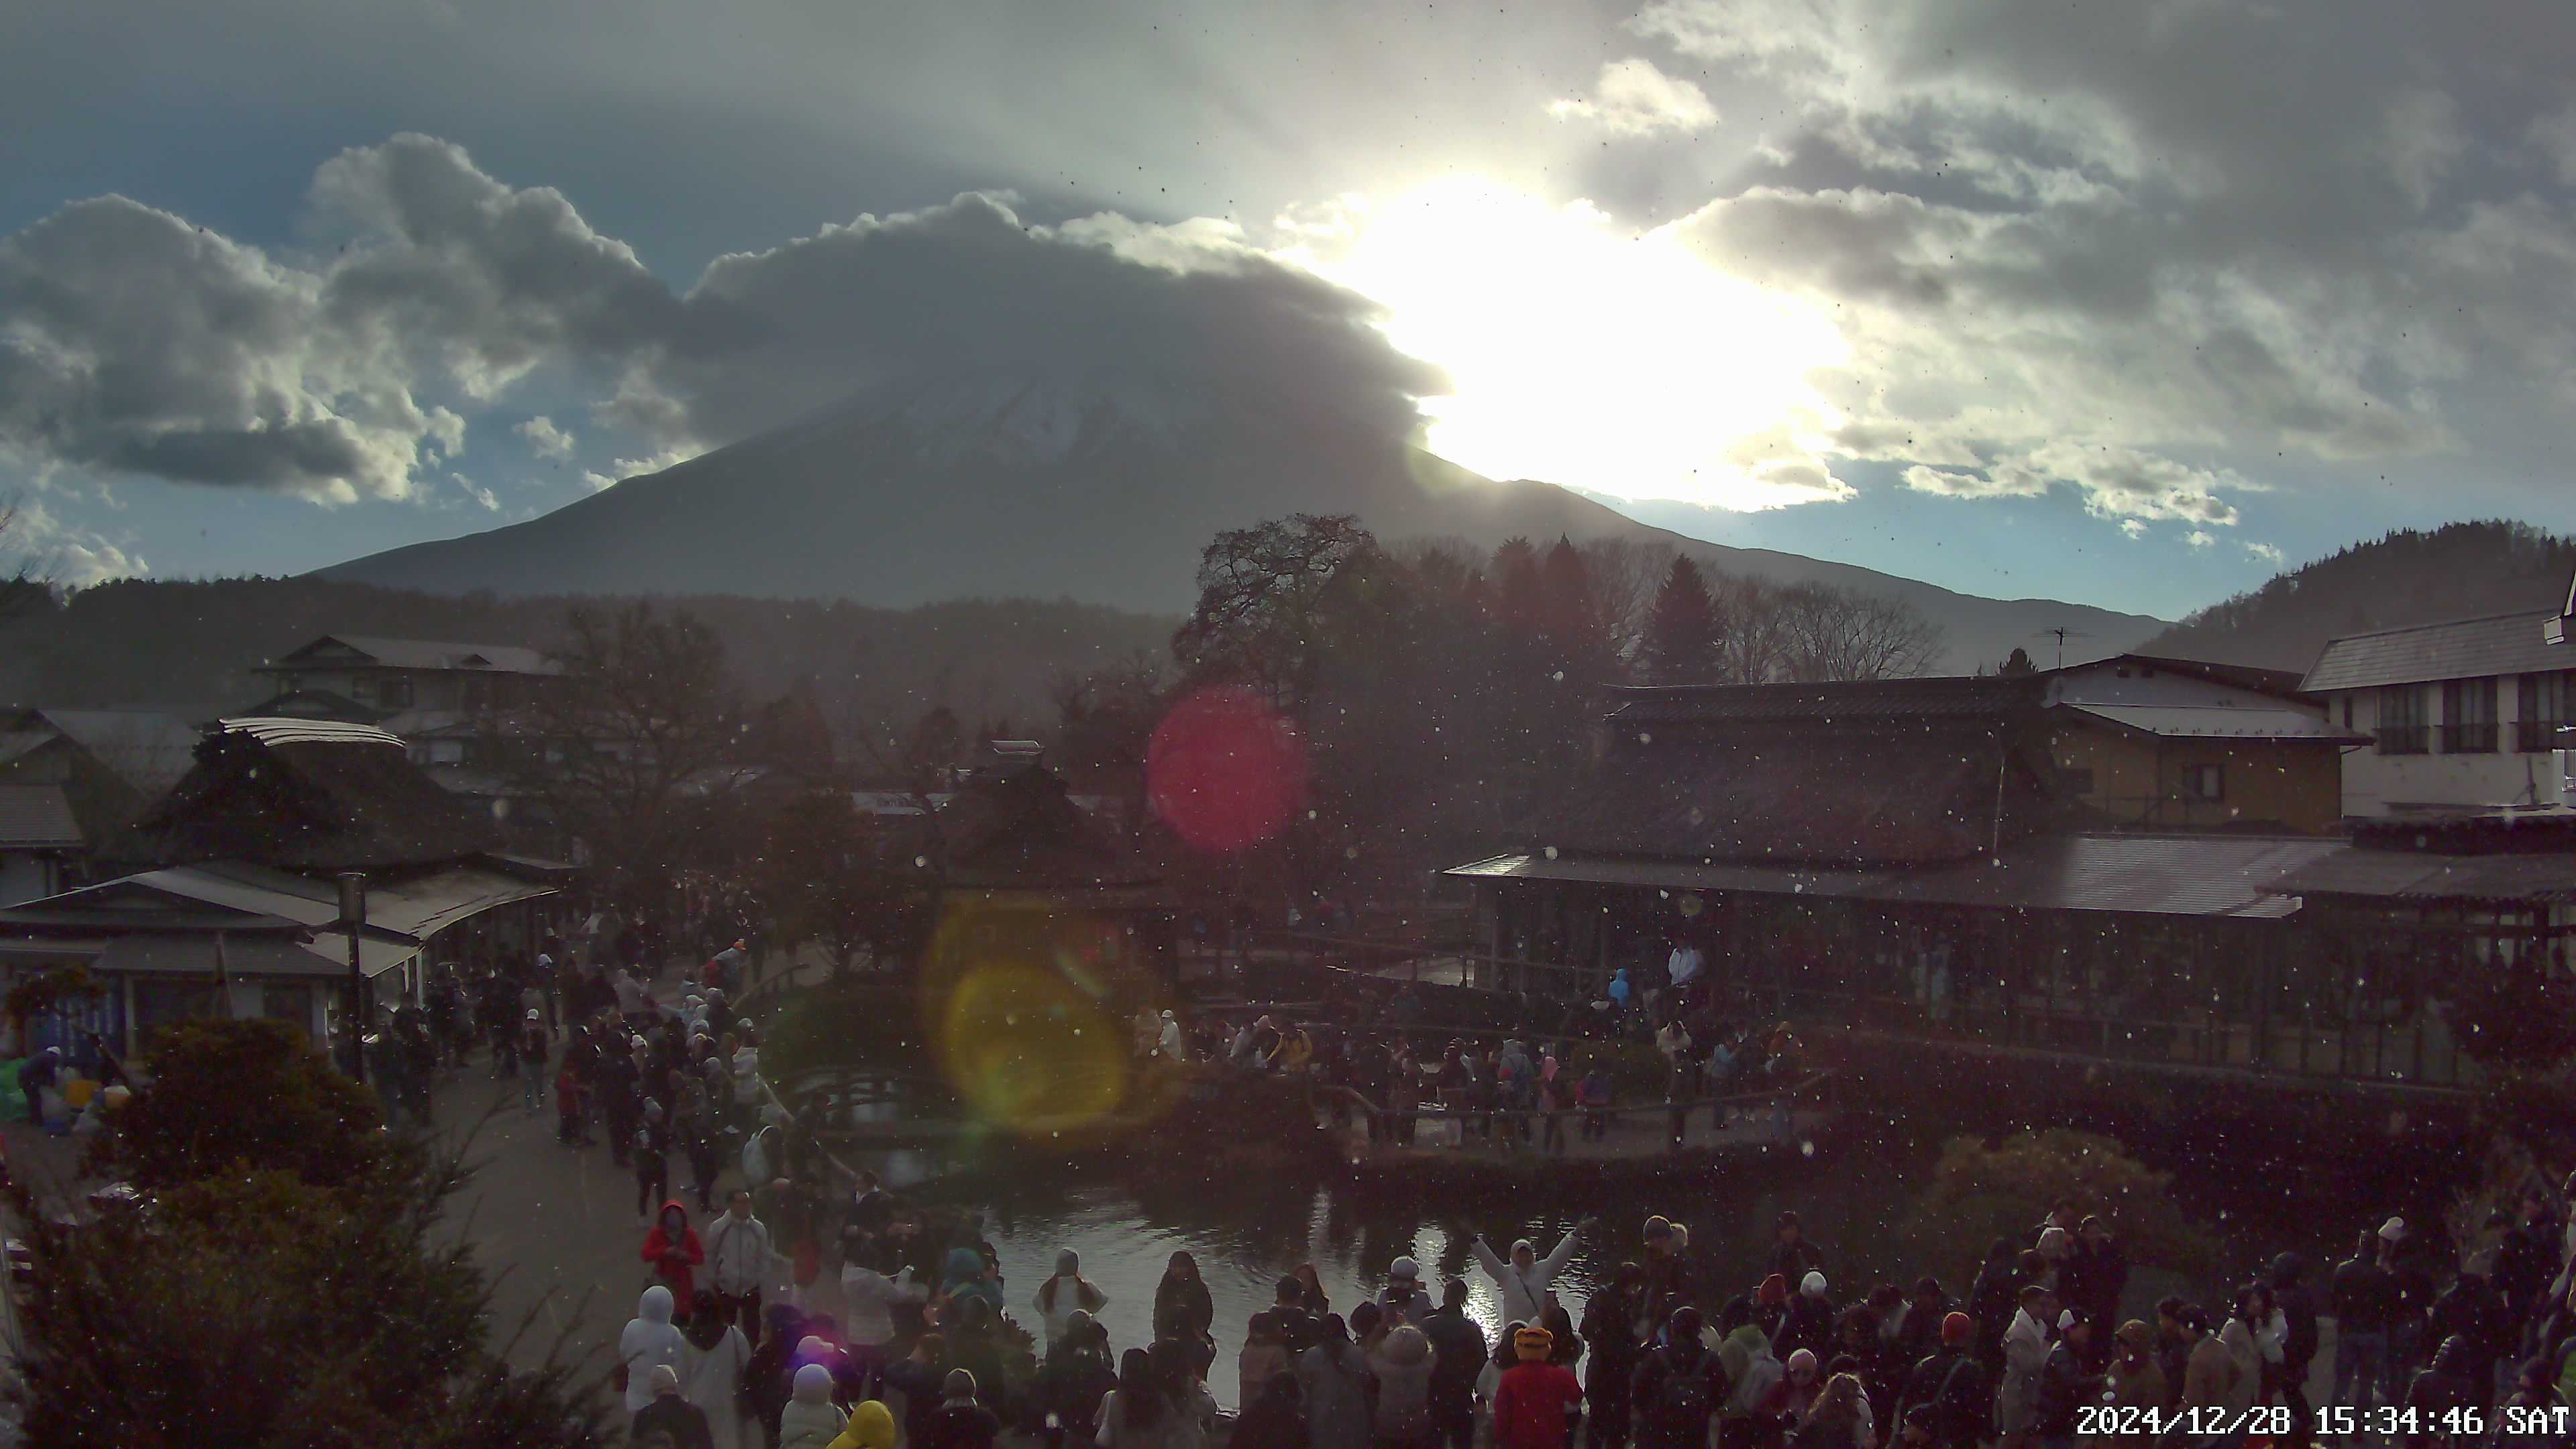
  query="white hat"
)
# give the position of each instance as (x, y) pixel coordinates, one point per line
(1813, 1285)
(2393, 1231)
(666, 1379)
(533, 1015)
(1404, 1268)
(1167, 1014)
(2065, 1320)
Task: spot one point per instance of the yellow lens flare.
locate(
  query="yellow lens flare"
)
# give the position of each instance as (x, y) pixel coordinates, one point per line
(1030, 1012)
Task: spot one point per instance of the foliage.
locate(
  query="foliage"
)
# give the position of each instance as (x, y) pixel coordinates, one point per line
(825, 877)
(2516, 1017)
(1982, 1190)
(261, 1309)
(1259, 590)
(1681, 633)
(2017, 665)
(38, 995)
(857, 1022)
(229, 1097)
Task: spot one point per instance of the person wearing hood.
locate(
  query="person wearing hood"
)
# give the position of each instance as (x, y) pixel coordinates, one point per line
(1948, 1387)
(1526, 1279)
(1756, 1380)
(650, 1341)
(1808, 1322)
(1801, 1379)
(1064, 1295)
(960, 1422)
(1620, 992)
(712, 1367)
(1183, 1310)
(1610, 1331)
(1678, 1388)
(1458, 1353)
(2065, 1386)
(1402, 1362)
(1535, 1399)
(871, 1426)
(1402, 1300)
(811, 1420)
(2458, 1381)
(1274, 1419)
(1335, 1377)
(2534, 1415)
(1993, 1299)
(765, 1377)
(2026, 1348)
(1075, 1377)
(1264, 1356)
(670, 1416)
(1771, 1305)
(2135, 1379)
(965, 1275)
(2469, 1309)
(672, 1247)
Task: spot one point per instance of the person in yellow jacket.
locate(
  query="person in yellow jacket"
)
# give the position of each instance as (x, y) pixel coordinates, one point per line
(870, 1427)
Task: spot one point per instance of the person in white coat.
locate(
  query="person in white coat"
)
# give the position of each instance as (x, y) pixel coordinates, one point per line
(711, 1374)
(1525, 1280)
(650, 1341)
(868, 1298)
(2026, 1348)
(1066, 1294)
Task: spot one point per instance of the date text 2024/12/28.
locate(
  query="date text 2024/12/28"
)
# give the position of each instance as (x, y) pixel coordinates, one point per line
(2274, 1420)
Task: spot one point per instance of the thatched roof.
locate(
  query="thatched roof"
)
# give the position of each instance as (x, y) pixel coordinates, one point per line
(1019, 830)
(304, 796)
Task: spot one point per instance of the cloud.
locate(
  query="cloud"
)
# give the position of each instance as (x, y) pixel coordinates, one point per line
(2133, 528)
(2554, 136)
(490, 501)
(2264, 551)
(1633, 98)
(545, 439)
(2200, 538)
(625, 468)
(60, 553)
(2000, 482)
(132, 341)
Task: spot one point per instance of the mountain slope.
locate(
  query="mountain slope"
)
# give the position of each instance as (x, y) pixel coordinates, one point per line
(999, 484)
(2457, 571)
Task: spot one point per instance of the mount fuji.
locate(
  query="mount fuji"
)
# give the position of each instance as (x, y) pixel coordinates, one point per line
(996, 483)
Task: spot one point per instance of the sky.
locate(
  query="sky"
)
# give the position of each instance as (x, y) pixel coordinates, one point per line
(2120, 304)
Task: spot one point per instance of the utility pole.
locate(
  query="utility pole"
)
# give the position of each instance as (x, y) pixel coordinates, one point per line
(353, 919)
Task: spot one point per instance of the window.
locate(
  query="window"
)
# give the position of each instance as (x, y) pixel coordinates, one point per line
(2469, 717)
(2347, 711)
(394, 691)
(2401, 719)
(2206, 783)
(2540, 711)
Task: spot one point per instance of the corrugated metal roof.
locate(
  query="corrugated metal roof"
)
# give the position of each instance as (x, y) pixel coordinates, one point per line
(2463, 649)
(2186, 875)
(37, 817)
(280, 730)
(2400, 874)
(2191, 721)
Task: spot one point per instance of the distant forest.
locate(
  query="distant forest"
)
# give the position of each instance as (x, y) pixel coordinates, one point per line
(2457, 571)
(188, 646)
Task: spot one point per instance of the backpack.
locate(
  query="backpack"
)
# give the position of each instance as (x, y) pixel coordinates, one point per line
(1684, 1398)
(1763, 1379)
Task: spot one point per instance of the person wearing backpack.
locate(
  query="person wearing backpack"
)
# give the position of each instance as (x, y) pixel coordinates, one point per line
(1533, 1402)
(1679, 1388)
(1949, 1389)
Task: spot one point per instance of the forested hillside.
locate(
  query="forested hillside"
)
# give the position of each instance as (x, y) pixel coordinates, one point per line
(2457, 571)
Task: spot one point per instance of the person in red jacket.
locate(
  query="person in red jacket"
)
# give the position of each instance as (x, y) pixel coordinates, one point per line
(674, 1251)
(1535, 1398)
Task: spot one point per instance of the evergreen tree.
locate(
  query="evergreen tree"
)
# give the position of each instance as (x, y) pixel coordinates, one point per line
(1519, 594)
(1681, 630)
(1570, 615)
(2017, 665)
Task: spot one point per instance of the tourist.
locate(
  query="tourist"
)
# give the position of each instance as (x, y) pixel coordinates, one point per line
(2470, 1310)
(1594, 1095)
(975, 1345)
(2105, 1272)
(1262, 1357)
(572, 1101)
(2135, 1379)
(650, 1341)
(767, 1375)
(1670, 1282)
(2363, 1297)
(1076, 1375)
(1310, 1289)
(1489, 1374)
(1792, 1256)
(1064, 1294)
(1525, 1280)
(1753, 1375)
(1401, 1362)
(620, 1102)
(1947, 1395)
(1609, 1330)
(1808, 1322)
(1167, 1041)
(1838, 1418)
(1993, 1299)
(1275, 1419)
(1176, 1365)
(1297, 1330)
(1535, 1398)
(1137, 1414)
(701, 1143)
(673, 1248)
(1771, 1307)
(741, 1259)
(1368, 1326)
(2534, 1414)
(1183, 1310)
(871, 1426)
(2026, 1349)
(648, 1153)
(2174, 1343)
(1402, 1300)
(535, 1044)
(2241, 1339)
(871, 1299)
(2298, 1317)
(1802, 1378)
(715, 1353)
(1678, 1388)
(669, 1418)
(2455, 1385)
(1335, 1377)
(1552, 1102)
(811, 1420)
(966, 1274)
(2064, 1387)
(960, 1421)
(1458, 1352)
(919, 1376)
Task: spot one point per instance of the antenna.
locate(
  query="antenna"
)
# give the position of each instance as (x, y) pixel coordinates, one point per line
(2063, 634)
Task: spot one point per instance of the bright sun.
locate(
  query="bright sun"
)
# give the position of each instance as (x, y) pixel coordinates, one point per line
(1586, 355)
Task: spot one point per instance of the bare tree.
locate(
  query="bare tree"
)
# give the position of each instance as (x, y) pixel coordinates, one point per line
(1835, 633)
(1752, 630)
(1260, 595)
(24, 585)
(1625, 574)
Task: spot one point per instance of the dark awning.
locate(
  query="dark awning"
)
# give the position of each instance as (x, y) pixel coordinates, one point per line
(2413, 875)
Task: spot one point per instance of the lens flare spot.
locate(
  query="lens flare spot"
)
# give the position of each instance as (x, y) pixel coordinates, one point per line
(1011, 1041)
(1225, 771)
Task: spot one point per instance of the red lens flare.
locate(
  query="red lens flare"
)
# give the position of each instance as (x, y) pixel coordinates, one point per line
(1225, 770)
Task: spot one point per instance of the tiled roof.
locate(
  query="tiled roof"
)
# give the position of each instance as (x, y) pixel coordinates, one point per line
(2464, 649)
(37, 817)
(2421, 875)
(1943, 697)
(2220, 722)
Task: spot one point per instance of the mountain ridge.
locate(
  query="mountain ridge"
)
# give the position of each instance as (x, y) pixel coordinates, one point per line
(1101, 490)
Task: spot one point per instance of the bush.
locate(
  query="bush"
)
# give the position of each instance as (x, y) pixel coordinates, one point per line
(856, 1023)
(236, 1097)
(1982, 1190)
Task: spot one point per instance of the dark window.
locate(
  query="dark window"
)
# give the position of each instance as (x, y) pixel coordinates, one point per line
(2401, 719)
(2469, 717)
(394, 691)
(2347, 711)
(2204, 782)
(2540, 712)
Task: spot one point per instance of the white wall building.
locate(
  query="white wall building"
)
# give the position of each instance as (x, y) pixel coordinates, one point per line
(2466, 715)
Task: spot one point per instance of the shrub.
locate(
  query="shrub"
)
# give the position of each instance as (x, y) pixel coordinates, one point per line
(1982, 1190)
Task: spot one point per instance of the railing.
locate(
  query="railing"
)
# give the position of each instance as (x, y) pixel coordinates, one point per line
(1749, 1118)
(2405, 739)
(2537, 736)
(2476, 738)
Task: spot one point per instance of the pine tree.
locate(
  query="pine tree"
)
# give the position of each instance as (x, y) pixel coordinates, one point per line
(1681, 631)
(2018, 664)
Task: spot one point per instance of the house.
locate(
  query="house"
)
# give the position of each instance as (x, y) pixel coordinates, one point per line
(238, 909)
(70, 779)
(2174, 744)
(388, 679)
(2460, 716)
(1907, 870)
